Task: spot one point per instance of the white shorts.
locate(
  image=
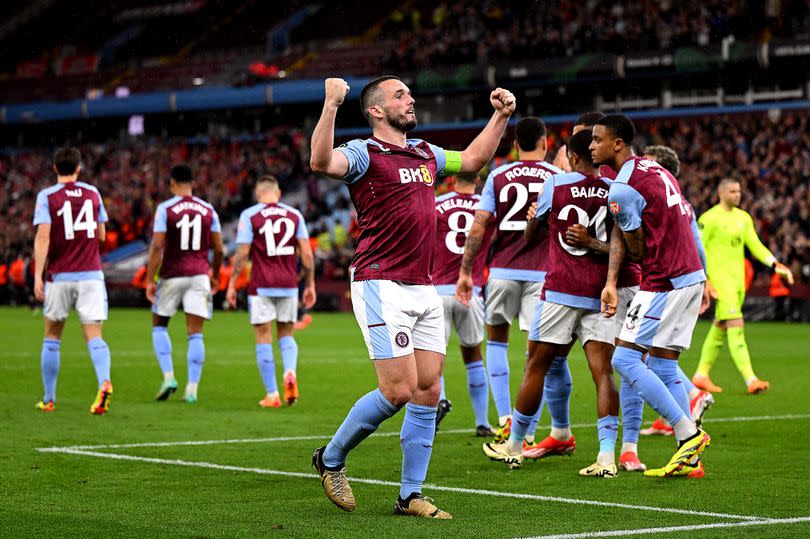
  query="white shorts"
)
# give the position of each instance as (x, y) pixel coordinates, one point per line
(626, 295)
(559, 324)
(193, 292)
(88, 297)
(663, 319)
(468, 321)
(264, 309)
(507, 299)
(395, 318)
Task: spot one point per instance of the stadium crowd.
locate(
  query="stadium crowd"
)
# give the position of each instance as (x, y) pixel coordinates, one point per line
(484, 32)
(768, 153)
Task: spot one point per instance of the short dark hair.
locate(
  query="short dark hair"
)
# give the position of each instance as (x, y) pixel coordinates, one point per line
(67, 160)
(369, 93)
(666, 157)
(181, 173)
(528, 133)
(467, 177)
(727, 181)
(578, 144)
(589, 119)
(620, 125)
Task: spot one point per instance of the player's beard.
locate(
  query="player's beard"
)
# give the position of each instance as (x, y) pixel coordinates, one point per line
(401, 122)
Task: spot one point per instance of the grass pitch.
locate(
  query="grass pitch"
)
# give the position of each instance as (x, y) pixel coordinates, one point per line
(254, 479)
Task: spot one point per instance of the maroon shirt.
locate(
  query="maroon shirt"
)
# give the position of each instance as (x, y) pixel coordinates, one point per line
(630, 272)
(508, 193)
(575, 276)
(392, 190)
(188, 223)
(645, 195)
(454, 217)
(272, 231)
(73, 210)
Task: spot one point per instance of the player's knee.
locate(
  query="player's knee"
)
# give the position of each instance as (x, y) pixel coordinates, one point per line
(398, 394)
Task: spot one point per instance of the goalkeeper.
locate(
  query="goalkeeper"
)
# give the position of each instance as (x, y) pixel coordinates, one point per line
(726, 230)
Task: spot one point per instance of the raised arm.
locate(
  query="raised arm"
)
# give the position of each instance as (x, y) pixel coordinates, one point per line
(324, 159)
(482, 148)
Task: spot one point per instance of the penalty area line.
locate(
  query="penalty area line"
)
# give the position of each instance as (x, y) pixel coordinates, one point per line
(673, 529)
(457, 490)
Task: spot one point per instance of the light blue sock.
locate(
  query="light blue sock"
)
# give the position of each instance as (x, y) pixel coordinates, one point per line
(632, 410)
(416, 439)
(687, 383)
(627, 362)
(363, 419)
(100, 354)
(267, 367)
(608, 429)
(50, 367)
(289, 352)
(442, 393)
(162, 344)
(557, 392)
(196, 357)
(532, 428)
(520, 424)
(477, 387)
(498, 370)
(667, 371)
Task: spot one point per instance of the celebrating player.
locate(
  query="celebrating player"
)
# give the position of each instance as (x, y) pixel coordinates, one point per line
(70, 218)
(390, 178)
(727, 231)
(516, 271)
(265, 235)
(699, 400)
(569, 306)
(647, 204)
(455, 212)
(185, 228)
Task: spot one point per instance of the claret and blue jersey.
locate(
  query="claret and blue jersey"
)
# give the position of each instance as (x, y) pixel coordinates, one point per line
(392, 189)
(575, 276)
(645, 195)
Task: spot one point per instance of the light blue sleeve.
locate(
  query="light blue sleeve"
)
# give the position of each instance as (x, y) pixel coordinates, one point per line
(441, 158)
(102, 212)
(160, 219)
(545, 198)
(698, 242)
(626, 205)
(356, 151)
(42, 214)
(215, 224)
(302, 233)
(244, 233)
(487, 202)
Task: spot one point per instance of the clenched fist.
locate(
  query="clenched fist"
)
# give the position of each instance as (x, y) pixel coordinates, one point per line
(336, 90)
(503, 101)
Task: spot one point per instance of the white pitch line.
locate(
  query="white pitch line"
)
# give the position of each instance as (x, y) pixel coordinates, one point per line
(672, 529)
(377, 434)
(459, 490)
